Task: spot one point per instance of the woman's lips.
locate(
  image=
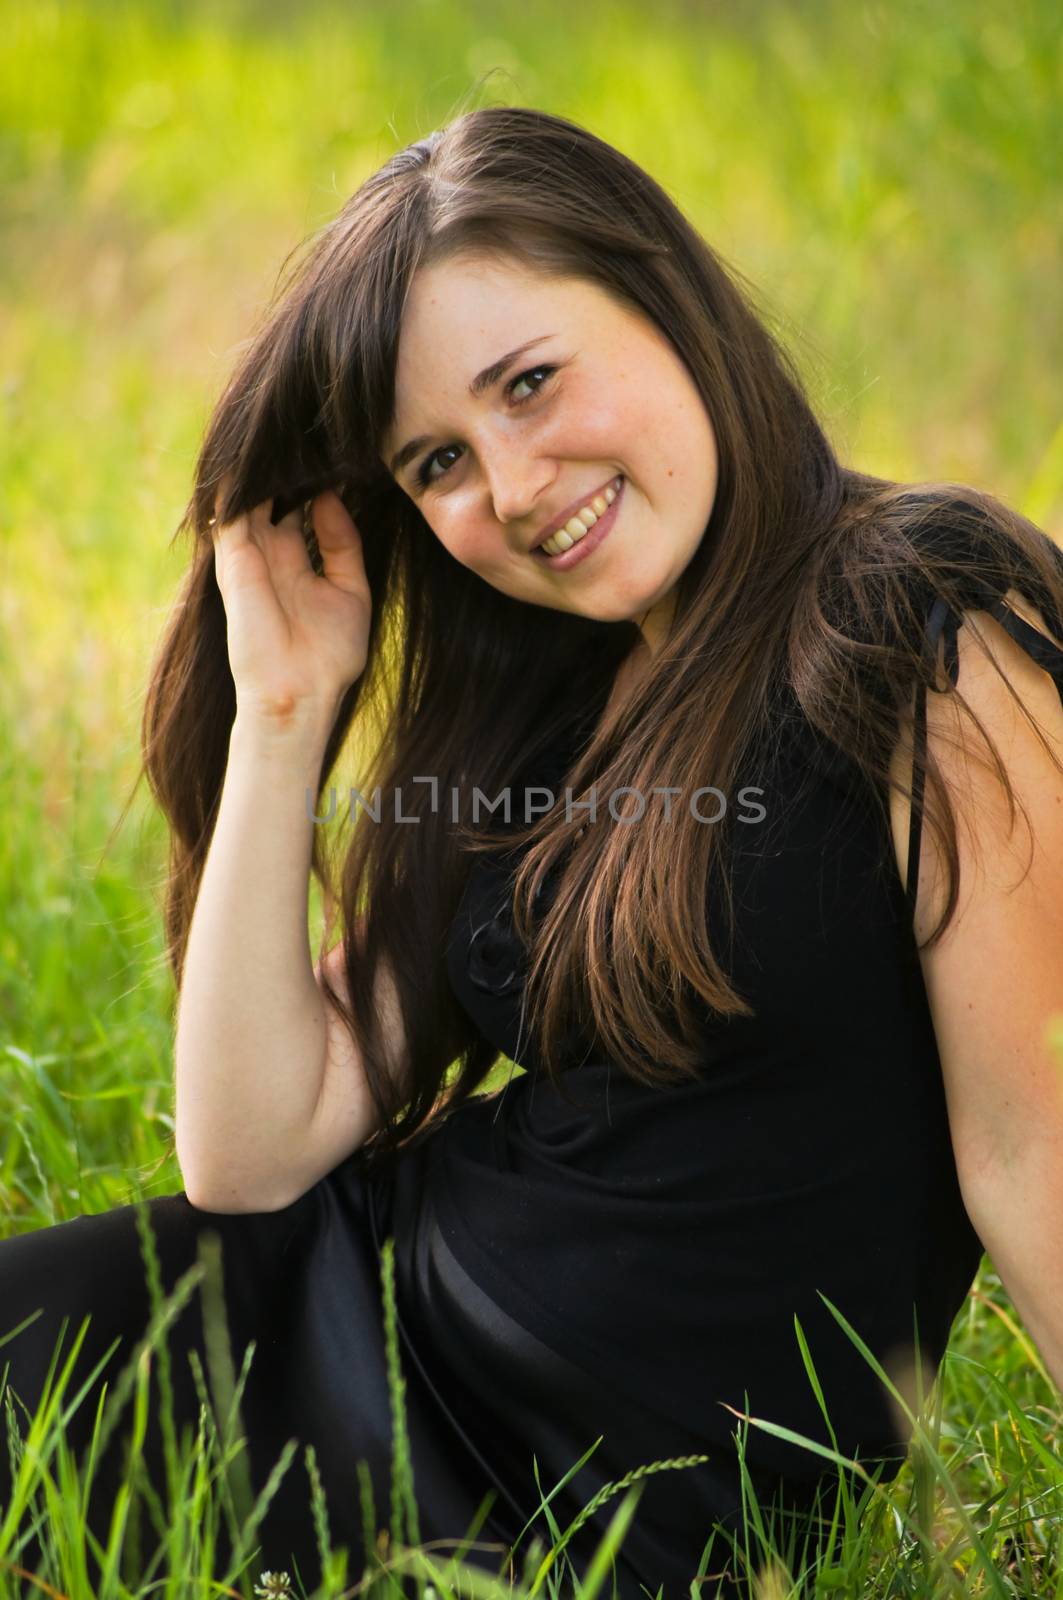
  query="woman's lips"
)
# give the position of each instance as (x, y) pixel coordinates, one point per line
(590, 541)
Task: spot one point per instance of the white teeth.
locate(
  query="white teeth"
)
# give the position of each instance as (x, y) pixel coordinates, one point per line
(578, 526)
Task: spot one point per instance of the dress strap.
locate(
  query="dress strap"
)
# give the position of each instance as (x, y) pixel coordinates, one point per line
(944, 622)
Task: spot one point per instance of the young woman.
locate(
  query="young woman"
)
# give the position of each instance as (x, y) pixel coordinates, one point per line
(513, 478)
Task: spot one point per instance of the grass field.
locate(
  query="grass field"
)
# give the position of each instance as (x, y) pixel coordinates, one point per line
(885, 174)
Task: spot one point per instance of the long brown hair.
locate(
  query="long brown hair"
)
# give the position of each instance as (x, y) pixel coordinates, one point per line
(810, 578)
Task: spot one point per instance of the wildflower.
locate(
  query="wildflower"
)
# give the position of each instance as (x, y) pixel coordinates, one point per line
(274, 1586)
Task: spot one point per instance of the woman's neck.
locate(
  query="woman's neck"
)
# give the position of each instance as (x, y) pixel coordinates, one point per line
(629, 674)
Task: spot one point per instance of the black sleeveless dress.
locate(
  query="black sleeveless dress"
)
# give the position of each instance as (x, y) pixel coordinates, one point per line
(601, 1264)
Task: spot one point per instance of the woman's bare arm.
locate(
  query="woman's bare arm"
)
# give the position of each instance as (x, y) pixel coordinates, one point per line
(270, 1093)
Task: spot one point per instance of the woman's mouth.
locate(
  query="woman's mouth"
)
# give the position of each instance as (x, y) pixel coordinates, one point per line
(586, 543)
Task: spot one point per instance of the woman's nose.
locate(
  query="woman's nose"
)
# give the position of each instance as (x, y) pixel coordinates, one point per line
(516, 489)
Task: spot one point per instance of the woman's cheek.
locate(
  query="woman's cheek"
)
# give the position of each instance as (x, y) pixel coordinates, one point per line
(463, 540)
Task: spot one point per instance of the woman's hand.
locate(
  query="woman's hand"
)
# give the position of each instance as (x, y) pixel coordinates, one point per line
(296, 641)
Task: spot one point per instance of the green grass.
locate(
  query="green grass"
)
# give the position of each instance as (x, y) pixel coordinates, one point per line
(884, 173)
(974, 1511)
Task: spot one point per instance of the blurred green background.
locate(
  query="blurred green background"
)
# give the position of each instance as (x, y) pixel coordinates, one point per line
(885, 174)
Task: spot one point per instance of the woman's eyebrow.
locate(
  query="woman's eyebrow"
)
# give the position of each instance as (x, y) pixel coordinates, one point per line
(482, 381)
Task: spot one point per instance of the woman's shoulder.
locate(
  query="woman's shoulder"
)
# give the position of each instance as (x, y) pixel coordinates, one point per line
(900, 587)
(968, 549)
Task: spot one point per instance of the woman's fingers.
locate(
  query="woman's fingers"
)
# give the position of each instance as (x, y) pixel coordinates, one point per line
(218, 528)
(226, 536)
(339, 542)
(292, 634)
(280, 548)
(282, 544)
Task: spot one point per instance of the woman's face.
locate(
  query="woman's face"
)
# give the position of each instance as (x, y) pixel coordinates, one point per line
(598, 393)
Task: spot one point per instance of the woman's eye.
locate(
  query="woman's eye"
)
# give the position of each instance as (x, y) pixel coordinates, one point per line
(529, 374)
(424, 478)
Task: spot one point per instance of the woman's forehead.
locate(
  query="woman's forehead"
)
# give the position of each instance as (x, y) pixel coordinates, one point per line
(460, 323)
(463, 326)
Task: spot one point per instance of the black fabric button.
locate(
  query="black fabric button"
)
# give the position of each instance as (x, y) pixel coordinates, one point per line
(497, 959)
(494, 963)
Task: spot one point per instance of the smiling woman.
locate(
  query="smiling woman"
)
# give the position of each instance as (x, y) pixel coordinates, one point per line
(581, 538)
(497, 469)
